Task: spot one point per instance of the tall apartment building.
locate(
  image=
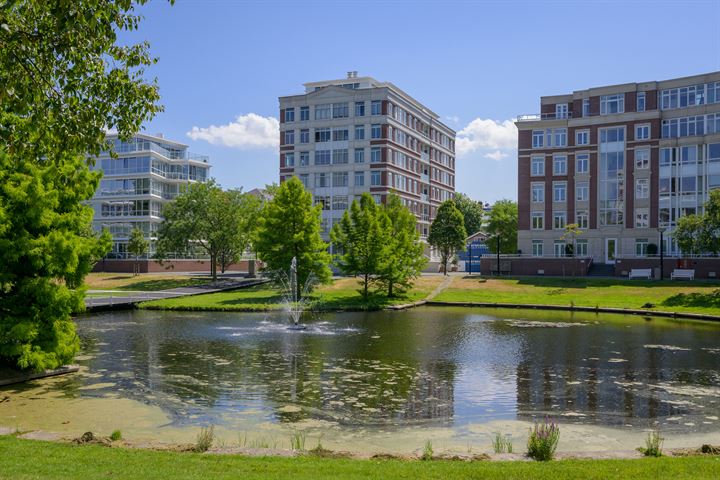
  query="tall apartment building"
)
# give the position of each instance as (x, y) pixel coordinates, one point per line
(147, 174)
(622, 162)
(354, 135)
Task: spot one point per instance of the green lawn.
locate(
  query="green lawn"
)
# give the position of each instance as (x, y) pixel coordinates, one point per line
(144, 282)
(342, 294)
(672, 296)
(29, 459)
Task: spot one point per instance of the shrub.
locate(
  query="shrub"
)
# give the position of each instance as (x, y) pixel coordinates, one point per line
(543, 440)
(502, 444)
(205, 439)
(427, 451)
(116, 435)
(653, 444)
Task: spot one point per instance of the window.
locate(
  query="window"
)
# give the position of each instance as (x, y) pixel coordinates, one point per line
(537, 138)
(610, 104)
(642, 158)
(561, 110)
(688, 154)
(322, 112)
(359, 109)
(586, 107)
(559, 248)
(359, 132)
(559, 220)
(340, 179)
(642, 218)
(340, 110)
(376, 131)
(289, 115)
(304, 159)
(582, 163)
(289, 137)
(582, 137)
(290, 159)
(581, 248)
(322, 135)
(340, 135)
(642, 188)
(537, 221)
(560, 137)
(713, 152)
(537, 248)
(560, 165)
(359, 155)
(321, 180)
(666, 156)
(305, 136)
(375, 155)
(642, 132)
(376, 107)
(359, 179)
(537, 166)
(581, 219)
(582, 191)
(304, 114)
(641, 245)
(538, 192)
(340, 202)
(559, 191)
(322, 157)
(375, 179)
(340, 157)
(305, 179)
(640, 102)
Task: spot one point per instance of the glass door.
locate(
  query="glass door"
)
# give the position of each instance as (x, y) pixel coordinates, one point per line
(610, 250)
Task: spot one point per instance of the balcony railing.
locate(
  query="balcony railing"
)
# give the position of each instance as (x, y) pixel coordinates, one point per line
(534, 117)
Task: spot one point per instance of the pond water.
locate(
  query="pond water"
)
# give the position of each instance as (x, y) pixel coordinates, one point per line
(383, 381)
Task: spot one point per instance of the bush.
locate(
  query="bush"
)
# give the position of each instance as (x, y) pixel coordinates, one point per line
(116, 435)
(543, 440)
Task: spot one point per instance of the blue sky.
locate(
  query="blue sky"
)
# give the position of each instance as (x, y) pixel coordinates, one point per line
(223, 63)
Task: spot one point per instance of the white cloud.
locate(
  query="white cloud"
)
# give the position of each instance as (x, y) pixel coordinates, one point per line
(246, 132)
(494, 139)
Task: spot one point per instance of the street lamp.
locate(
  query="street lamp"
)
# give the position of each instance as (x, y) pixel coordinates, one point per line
(498, 253)
(662, 252)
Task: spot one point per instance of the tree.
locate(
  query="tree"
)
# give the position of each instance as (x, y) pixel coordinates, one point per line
(697, 234)
(362, 236)
(205, 218)
(137, 246)
(503, 221)
(473, 213)
(572, 231)
(63, 82)
(447, 232)
(403, 259)
(289, 227)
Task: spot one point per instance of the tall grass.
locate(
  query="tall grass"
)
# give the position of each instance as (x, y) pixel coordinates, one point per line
(543, 440)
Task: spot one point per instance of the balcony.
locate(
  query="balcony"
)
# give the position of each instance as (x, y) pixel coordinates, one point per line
(534, 117)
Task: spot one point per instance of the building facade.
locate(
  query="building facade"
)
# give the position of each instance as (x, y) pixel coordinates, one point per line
(623, 162)
(149, 172)
(344, 137)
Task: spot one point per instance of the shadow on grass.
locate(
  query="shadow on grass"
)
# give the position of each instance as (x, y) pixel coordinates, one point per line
(570, 282)
(154, 285)
(695, 299)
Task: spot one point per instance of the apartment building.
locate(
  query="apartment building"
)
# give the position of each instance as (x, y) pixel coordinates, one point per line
(623, 162)
(149, 172)
(344, 137)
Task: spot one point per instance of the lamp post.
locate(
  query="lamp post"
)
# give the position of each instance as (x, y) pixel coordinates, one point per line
(498, 254)
(662, 252)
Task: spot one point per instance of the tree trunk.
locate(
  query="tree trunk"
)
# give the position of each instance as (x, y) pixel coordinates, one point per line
(366, 287)
(213, 267)
(390, 288)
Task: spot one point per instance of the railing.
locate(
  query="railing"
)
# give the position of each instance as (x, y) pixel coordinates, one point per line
(533, 117)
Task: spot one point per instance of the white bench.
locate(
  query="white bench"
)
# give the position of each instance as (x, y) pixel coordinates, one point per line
(641, 273)
(682, 274)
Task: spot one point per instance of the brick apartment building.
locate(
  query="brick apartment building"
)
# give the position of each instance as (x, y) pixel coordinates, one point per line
(345, 137)
(622, 161)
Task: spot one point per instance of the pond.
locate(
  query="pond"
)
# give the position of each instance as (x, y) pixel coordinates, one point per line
(383, 381)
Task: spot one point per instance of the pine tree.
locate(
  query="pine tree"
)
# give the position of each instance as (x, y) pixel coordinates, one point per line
(447, 232)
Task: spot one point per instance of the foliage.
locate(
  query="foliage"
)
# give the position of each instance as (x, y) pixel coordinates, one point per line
(404, 258)
(205, 439)
(447, 232)
(502, 444)
(297, 441)
(427, 451)
(362, 237)
(652, 249)
(472, 211)
(137, 246)
(653, 444)
(116, 435)
(572, 231)
(206, 218)
(543, 440)
(290, 227)
(697, 234)
(503, 221)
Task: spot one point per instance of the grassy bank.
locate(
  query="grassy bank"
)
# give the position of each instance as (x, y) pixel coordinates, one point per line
(143, 282)
(342, 294)
(690, 297)
(28, 459)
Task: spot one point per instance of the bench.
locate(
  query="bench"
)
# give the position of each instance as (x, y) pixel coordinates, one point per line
(682, 274)
(641, 273)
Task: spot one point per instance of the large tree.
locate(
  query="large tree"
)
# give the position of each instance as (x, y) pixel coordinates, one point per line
(63, 82)
(207, 219)
(447, 232)
(503, 221)
(361, 237)
(697, 234)
(137, 246)
(403, 260)
(289, 227)
(472, 210)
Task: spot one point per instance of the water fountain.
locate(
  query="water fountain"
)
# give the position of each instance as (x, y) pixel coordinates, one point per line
(295, 302)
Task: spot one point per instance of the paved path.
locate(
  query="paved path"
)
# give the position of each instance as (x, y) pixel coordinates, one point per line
(445, 284)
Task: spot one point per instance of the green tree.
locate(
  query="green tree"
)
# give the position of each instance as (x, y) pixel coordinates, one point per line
(712, 223)
(204, 218)
(503, 221)
(473, 213)
(447, 232)
(403, 259)
(691, 234)
(362, 237)
(572, 231)
(289, 227)
(63, 82)
(137, 246)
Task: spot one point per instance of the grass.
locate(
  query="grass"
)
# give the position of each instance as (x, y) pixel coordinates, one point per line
(342, 294)
(142, 282)
(28, 459)
(673, 296)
